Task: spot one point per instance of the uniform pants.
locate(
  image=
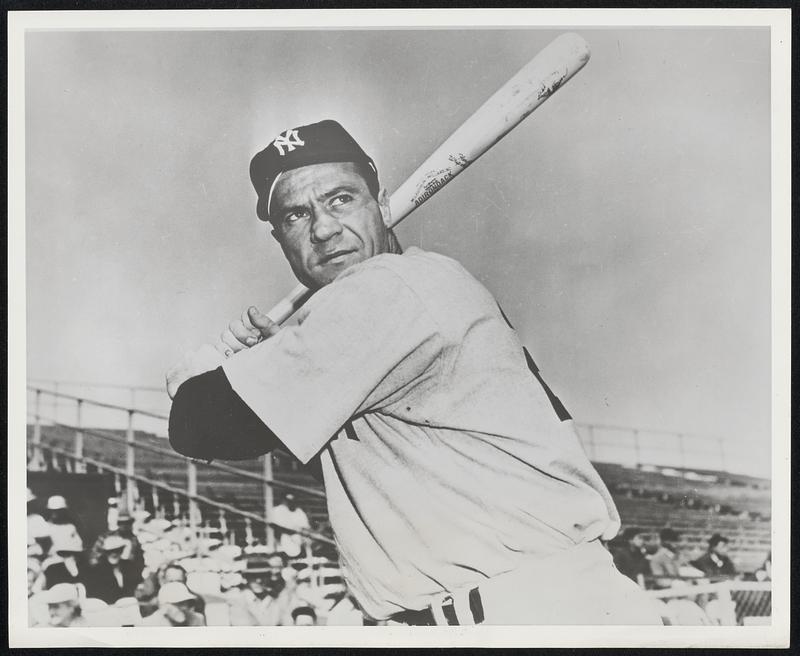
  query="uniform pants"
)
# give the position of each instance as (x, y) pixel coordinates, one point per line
(580, 585)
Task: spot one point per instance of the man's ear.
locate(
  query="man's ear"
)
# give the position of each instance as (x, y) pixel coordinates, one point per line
(383, 203)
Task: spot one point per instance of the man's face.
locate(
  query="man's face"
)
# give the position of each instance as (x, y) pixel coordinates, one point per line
(113, 557)
(178, 613)
(326, 220)
(721, 548)
(32, 576)
(62, 613)
(257, 584)
(276, 566)
(173, 574)
(637, 541)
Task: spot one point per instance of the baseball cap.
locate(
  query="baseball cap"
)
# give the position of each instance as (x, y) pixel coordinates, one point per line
(62, 592)
(174, 593)
(56, 502)
(316, 143)
(715, 539)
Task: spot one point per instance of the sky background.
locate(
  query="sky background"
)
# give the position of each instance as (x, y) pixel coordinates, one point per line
(624, 226)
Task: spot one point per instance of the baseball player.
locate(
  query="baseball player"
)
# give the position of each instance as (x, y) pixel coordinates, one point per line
(457, 488)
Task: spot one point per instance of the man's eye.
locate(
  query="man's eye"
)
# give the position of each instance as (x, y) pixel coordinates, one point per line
(341, 199)
(294, 217)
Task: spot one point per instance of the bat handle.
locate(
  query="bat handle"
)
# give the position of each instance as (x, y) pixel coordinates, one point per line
(290, 303)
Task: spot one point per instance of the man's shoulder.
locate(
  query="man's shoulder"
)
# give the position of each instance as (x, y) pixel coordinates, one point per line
(414, 263)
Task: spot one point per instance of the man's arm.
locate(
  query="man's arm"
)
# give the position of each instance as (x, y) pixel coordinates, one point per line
(209, 421)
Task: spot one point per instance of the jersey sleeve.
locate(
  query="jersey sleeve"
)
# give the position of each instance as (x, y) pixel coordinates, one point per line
(366, 336)
(209, 421)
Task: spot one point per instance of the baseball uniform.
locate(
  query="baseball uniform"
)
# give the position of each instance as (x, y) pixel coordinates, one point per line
(447, 465)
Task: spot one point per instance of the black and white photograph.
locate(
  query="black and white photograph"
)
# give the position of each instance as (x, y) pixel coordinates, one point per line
(399, 328)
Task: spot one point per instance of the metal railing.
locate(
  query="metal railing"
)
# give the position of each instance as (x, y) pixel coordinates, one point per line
(128, 475)
(743, 600)
(637, 446)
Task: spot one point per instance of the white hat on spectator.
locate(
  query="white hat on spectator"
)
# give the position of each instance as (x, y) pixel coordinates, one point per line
(68, 544)
(37, 527)
(173, 593)
(56, 502)
(231, 580)
(158, 525)
(210, 543)
(31, 495)
(229, 552)
(113, 543)
(62, 592)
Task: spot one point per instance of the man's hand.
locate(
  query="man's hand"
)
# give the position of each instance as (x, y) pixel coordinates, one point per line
(248, 331)
(194, 363)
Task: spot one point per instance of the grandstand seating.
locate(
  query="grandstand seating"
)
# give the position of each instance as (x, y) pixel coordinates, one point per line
(695, 504)
(215, 484)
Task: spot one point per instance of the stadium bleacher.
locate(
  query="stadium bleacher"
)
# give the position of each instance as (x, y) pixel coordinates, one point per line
(696, 503)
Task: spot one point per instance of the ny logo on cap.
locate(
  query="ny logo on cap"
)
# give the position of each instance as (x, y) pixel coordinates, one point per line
(290, 139)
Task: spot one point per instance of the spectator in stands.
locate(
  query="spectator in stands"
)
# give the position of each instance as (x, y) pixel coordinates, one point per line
(37, 529)
(68, 566)
(686, 612)
(147, 591)
(34, 571)
(113, 578)
(304, 616)
(269, 594)
(176, 607)
(124, 529)
(64, 606)
(171, 573)
(764, 573)
(61, 524)
(291, 516)
(715, 562)
(112, 513)
(629, 556)
(664, 562)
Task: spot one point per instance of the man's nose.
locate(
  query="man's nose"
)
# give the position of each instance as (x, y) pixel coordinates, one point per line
(325, 226)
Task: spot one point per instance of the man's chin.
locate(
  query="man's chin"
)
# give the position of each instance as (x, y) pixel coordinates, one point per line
(328, 272)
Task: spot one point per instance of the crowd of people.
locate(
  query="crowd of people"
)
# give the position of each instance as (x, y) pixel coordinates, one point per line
(657, 561)
(656, 558)
(150, 571)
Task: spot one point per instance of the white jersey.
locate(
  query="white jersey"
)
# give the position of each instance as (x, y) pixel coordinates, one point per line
(290, 543)
(443, 459)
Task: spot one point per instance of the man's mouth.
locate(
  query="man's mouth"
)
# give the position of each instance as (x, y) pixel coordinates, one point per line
(335, 255)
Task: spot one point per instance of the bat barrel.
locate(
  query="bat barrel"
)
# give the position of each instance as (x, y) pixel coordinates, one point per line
(514, 101)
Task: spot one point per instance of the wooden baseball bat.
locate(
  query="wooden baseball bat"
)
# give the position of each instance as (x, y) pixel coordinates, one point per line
(515, 100)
